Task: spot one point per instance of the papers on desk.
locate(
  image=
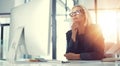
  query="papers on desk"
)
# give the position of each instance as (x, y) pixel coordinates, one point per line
(85, 61)
(110, 59)
(61, 61)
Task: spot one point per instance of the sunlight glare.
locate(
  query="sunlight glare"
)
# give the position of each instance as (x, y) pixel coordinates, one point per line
(108, 24)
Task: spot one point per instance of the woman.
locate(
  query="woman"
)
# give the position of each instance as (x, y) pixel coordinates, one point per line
(84, 40)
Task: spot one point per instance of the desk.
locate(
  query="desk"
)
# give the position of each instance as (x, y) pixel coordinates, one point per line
(57, 63)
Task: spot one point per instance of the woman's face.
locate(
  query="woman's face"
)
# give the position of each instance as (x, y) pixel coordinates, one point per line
(77, 15)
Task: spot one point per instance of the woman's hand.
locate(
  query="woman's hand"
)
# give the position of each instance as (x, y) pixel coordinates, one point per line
(72, 56)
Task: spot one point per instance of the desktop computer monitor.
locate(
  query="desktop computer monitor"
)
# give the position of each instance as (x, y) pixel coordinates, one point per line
(30, 27)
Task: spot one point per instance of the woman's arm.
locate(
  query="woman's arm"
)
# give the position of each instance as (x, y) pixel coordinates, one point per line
(69, 42)
(97, 53)
(96, 38)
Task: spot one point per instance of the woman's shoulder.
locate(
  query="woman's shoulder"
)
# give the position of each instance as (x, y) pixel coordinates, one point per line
(93, 26)
(69, 32)
(93, 29)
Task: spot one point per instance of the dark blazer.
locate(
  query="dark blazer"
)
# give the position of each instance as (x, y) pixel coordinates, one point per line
(90, 45)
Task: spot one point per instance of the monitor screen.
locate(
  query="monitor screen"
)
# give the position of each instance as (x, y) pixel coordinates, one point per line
(34, 17)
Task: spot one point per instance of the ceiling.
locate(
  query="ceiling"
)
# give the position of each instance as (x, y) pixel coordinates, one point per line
(91, 4)
(101, 4)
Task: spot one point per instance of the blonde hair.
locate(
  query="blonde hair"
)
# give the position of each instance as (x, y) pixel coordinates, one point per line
(88, 20)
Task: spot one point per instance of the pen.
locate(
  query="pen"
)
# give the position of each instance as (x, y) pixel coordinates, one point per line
(65, 62)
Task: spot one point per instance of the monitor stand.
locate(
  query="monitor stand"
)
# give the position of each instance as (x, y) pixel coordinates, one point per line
(15, 45)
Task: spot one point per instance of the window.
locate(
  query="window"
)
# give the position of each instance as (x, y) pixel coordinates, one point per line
(4, 34)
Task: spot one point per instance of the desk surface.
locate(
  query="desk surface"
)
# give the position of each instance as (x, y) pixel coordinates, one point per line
(58, 63)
